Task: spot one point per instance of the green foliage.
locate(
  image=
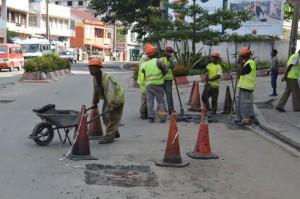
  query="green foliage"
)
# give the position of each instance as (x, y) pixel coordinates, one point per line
(46, 63)
(181, 70)
(185, 57)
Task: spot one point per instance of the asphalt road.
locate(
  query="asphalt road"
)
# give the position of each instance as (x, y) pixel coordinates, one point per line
(249, 166)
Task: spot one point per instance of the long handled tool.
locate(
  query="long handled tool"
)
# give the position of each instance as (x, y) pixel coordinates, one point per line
(181, 109)
(231, 78)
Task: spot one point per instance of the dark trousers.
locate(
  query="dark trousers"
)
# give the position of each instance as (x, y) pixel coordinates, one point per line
(214, 94)
(274, 75)
(291, 87)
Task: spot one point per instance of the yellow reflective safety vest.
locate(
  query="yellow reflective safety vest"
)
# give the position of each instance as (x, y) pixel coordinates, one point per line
(119, 93)
(295, 70)
(141, 78)
(248, 81)
(169, 75)
(153, 75)
(213, 72)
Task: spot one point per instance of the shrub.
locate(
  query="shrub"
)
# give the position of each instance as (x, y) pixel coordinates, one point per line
(180, 70)
(46, 63)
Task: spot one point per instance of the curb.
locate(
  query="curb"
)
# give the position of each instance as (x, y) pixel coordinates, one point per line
(40, 77)
(275, 131)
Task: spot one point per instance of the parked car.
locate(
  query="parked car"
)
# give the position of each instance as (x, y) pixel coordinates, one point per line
(11, 56)
(97, 54)
(67, 54)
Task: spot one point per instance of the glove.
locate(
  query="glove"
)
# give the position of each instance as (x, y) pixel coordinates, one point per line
(111, 106)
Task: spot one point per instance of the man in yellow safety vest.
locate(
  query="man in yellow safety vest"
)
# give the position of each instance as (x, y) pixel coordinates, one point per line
(108, 89)
(246, 84)
(213, 83)
(291, 78)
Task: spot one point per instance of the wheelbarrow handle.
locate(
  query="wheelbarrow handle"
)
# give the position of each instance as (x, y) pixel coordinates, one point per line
(98, 116)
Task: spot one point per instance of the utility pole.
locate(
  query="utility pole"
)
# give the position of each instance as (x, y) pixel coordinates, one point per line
(47, 20)
(194, 29)
(91, 34)
(4, 18)
(294, 29)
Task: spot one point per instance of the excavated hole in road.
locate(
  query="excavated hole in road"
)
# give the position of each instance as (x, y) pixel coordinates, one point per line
(120, 175)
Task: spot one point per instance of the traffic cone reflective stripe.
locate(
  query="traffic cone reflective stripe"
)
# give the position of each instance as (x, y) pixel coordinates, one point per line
(172, 157)
(196, 103)
(202, 148)
(95, 128)
(228, 102)
(81, 146)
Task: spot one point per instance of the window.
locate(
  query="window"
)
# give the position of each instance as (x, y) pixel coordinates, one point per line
(80, 3)
(32, 21)
(70, 3)
(57, 2)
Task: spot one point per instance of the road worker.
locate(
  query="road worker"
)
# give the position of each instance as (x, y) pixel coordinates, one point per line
(291, 78)
(109, 90)
(141, 82)
(211, 89)
(168, 61)
(154, 70)
(246, 84)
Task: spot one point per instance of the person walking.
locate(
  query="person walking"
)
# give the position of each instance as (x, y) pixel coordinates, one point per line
(168, 61)
(109, 90)
(290, 76)
(212, 85)
(141, 82)
(274, 72)
(154, 70)
(246, 85)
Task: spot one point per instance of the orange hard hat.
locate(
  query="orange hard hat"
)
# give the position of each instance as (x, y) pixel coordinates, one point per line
(150, 50)
(146, 46)
(95, 62)
(215, 54)
(244, 51)
(169, 49)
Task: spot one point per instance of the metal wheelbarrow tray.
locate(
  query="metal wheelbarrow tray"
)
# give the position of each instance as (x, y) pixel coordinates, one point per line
(52, 120)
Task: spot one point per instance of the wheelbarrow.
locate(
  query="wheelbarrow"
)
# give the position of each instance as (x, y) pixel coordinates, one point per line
(53, 120)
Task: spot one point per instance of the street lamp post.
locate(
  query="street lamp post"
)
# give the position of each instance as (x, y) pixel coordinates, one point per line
(91, 30)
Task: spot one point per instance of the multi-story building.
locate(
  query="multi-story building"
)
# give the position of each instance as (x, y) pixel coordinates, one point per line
(91, 33)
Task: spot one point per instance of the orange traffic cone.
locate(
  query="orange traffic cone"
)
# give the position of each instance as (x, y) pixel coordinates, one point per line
(228, 102)
(191, 94)
(196, 103)
(202, 148)
(81, 146)
(95, 128)
(172, 156)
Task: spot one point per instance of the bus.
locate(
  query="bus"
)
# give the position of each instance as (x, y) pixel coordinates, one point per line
(34, 47)
(11, 56)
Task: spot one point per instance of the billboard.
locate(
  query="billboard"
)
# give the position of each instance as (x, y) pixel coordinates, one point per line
(210, 5)
(266, 16)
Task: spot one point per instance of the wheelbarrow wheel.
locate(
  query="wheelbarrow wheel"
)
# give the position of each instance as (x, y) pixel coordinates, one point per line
(43, 133)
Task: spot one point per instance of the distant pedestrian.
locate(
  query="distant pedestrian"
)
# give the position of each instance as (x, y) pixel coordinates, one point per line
(290, 76)
(78, 54)
(154, 71)
(274, 72)
(212, 83)
(247, 83)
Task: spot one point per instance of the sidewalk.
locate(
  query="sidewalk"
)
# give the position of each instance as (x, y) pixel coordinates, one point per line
(286, 125)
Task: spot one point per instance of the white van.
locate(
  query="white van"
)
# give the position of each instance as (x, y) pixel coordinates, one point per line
(34, 47)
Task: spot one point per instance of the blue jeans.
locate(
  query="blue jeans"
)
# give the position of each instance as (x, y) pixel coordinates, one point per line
(274, 75)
